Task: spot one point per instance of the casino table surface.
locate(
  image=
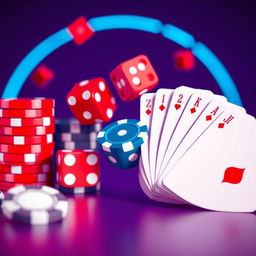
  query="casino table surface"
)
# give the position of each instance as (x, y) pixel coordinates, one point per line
(120, 220)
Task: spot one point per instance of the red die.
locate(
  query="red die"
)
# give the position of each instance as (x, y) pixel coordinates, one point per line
(78, 168)
(184, 60)
(134, 77)
(80, 30)
(91, 101)
(42, 76)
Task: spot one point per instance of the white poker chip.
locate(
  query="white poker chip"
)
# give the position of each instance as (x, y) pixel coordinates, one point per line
(35, 205)
(1, 197)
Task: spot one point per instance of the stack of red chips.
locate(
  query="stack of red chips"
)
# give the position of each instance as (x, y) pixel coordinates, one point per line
(26, 141)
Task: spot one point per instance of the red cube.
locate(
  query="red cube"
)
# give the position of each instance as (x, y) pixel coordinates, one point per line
(184, 60)
(134, 77)
(78, 168)
(91, 101)
(42, 76)
(81, 30)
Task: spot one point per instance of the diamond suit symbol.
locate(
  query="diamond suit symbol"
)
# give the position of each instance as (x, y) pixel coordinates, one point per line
(148, 112)
(209, 118)
(233, 175)
(193, 110)
(221, 125)
(162, 107)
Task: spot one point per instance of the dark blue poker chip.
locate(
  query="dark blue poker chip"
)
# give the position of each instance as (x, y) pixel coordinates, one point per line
(70, 145)
(122, 136)
(35, 205)
(78, 190)
(67, 136)
(73, 126)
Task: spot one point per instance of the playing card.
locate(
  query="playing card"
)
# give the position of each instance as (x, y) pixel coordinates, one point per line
(211, 112)
(161, 104)
(178, 102)
(195, 106)
(218, 171)
(146, 105)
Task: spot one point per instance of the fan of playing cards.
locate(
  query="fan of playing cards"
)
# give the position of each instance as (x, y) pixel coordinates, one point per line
(200, 150)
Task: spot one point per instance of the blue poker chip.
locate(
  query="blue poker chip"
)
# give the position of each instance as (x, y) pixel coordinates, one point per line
(1, 197)
(78, 190)
(73, 126)
(70, 145)
(67, 136)
(35, 205)
(122, 136)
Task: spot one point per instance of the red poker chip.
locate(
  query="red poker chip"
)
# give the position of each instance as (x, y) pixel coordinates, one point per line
(25, 158)
(27, 131)
(24, 149)
(25, 169)
(4, 186)
(24, 140)
(24, 122)
(27, 103)
(25, 178)
(27, 113)
(46, 161)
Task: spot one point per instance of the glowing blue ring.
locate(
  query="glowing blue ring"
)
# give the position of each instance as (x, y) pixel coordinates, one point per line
(177, 35)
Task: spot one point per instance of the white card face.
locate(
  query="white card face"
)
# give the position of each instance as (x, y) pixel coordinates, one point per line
(211, 112)
(146, 105)
(218, 172)
(161, 104)
(147, 190)
(195, 106)
(178, 102)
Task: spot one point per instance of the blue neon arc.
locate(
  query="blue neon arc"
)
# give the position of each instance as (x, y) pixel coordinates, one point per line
(33, 58)
(177, 35)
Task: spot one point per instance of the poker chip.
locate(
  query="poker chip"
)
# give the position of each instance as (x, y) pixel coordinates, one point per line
(27, 103)
(24, 122)
(25, 178)
(76, 145)
(26, 113)
(73, 126)
(4, 186)
(1, 197)
(124, 135)
(78, 190)
(25, 169)
(19, 149)
(27, 131)
(121, 142)
(24, 140)
(35, 205)
(67, 136)
(25, 158)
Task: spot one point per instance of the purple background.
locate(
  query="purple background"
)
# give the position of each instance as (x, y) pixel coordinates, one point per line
(122, 221)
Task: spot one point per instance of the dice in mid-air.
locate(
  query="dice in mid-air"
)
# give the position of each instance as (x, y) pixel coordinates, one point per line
(80, 30)
(134, 77)
(184, 60)
(91, 101)
(42, 76)
(78, 168)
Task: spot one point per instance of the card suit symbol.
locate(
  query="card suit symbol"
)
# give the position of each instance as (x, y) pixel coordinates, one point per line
(221, 125)
(193, 110)
(233, 175)
(148, 112)
(209, 118)
(177, 106)
(162, 107)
